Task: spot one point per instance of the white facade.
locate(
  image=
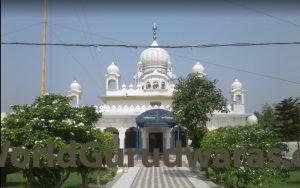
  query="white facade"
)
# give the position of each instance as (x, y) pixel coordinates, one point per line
(152, 88)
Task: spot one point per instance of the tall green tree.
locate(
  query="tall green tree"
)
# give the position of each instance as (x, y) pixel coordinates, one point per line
(287, 114)
(194, 100)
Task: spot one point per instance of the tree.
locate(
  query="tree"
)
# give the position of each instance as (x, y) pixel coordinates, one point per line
(267, 119)
(106, 142)
(194, 100)
(243, 138)
(51, 117)
(28, 126)
(288, 117)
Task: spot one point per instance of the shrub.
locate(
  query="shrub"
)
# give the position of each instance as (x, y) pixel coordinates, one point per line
(51, 117)
(108, 176)
(243, 137)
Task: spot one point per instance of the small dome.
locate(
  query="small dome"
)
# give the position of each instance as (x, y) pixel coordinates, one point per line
(252, 119)
(75, 86)
(113, 69)
(124, 86)
(198, 68)
(236, 84)
(154, 57)
(130, 86)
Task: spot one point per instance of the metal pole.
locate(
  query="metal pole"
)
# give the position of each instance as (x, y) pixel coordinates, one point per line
(137, 138)
(43, 86)
(138, 142)
(177, 133)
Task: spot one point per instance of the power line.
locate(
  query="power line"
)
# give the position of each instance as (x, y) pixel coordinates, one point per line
(78, 62)
(236, 69)
(20, 29)
(181, 56)
(87, 32)
(147, 46)
(86, 37)
(215, 45)
(262, 13)
(128, 45)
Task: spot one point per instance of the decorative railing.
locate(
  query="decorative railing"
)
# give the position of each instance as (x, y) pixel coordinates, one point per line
(142, 108)
(131, 108)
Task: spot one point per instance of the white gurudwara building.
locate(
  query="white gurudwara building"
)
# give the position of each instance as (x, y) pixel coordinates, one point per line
(139, 114)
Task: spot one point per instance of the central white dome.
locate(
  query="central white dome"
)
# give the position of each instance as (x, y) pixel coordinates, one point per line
(154, 57)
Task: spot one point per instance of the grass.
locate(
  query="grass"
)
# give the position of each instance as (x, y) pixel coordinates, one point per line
(15, 180)
(74, 181)
(292, 182)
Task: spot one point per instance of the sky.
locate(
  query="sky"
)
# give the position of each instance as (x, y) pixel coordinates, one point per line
(81, 21)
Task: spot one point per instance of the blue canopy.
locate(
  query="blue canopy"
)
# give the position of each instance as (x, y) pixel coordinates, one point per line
(155, 118)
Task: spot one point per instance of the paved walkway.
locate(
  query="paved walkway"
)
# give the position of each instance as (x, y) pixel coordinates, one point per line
(156, 177)
(127, 178)
(160, 177)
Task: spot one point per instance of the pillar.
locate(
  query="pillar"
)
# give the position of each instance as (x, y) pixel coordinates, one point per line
(144, 138)
(77, 100)
(167, 134)
(122, 137)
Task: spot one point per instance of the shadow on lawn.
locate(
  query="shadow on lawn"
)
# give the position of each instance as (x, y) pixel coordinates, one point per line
(15, 183)
(296, 182)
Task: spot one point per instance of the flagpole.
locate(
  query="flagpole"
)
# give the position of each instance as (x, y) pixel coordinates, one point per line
(44, 40)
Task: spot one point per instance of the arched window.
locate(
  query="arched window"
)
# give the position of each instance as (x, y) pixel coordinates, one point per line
(238, 99)
(130, 138)
(155, 85)
(148, 85)
(163, 85)
(112, 84)
(116, 134)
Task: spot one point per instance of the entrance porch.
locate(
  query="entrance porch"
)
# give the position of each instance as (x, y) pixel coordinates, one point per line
(154, 130)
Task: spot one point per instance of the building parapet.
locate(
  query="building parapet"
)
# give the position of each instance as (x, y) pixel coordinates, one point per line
(131, 108)
(136, 109)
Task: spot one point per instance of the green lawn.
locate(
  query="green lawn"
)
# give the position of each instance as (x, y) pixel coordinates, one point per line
(292, 182)
(15, 180)
(74, 181)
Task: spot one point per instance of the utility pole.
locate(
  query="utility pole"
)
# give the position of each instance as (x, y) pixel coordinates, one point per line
(43, 86)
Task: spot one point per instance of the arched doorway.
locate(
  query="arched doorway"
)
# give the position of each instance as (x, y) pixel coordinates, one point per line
(130, 138)
(112, 84)
(116, 133)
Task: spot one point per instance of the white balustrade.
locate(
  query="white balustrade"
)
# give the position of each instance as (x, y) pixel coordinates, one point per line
(131, 108)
